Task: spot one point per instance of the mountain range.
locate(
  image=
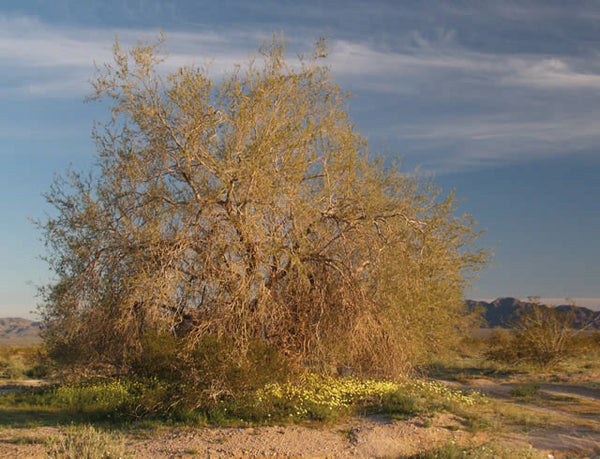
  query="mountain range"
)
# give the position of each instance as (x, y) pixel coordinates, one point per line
(16, 331)
(502, 312)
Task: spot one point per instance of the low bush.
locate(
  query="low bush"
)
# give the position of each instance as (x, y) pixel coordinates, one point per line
(18, 362)
(541, 336)
(86, 442)
(201, 373)
(525, 390)
(490, 450)
(588, 342)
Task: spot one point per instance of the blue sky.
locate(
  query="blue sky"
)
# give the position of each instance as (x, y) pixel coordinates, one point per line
(501, 100)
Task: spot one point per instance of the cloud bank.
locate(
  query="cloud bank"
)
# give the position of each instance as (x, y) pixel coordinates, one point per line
(455, 107)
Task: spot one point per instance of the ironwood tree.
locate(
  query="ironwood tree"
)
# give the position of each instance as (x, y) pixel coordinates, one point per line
(248, 207)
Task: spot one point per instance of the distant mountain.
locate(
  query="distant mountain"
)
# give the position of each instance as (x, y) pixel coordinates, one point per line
(504, 311)
(15, 330)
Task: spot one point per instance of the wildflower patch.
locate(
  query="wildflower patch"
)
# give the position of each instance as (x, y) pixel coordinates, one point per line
(323, 397)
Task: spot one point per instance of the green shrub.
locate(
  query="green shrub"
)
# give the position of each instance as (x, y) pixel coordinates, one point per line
(200, 373)
(399, 403)
(172, 378)
(118, 399)
(159, 357)
(525, 390)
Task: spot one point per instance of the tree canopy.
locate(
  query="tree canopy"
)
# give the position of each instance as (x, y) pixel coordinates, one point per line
(249, 208)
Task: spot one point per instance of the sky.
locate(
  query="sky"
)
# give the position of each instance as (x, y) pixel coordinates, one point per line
(500, 100)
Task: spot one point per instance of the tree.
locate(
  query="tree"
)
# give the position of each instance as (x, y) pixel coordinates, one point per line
(249, 208)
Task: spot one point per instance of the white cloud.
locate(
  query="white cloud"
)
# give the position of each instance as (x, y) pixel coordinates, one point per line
(519, 107)
(418, 62)
(406, 69)
(41, 60)
(28, 44)
(475, 142)
(550, 73)
(481, 128)
(60, 60)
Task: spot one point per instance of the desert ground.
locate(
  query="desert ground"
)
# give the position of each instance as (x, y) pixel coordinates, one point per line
(561, 419)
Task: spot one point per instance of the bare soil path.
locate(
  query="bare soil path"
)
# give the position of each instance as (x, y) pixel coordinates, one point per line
(570, 415)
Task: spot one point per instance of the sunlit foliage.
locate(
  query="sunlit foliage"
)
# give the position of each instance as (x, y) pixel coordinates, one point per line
(248, 209)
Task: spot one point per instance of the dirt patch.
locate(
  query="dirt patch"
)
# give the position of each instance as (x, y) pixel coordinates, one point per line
(9, 387)
(360, 437)
(364, 438)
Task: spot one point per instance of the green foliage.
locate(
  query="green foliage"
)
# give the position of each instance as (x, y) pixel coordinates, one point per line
(169, 383)
(311, 398)
(201, 372)
(525, 390)
(159, 356)
(99, 397)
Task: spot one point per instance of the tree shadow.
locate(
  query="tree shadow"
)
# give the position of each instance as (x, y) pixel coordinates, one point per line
(31, 417)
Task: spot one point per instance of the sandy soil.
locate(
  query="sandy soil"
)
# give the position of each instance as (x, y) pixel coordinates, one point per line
(360, 437)
(572, 410)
